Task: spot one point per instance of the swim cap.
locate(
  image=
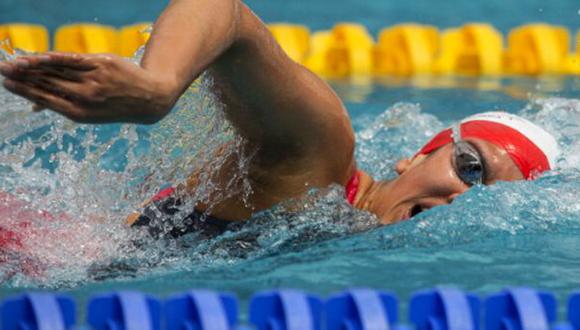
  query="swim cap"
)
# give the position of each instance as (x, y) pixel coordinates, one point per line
(532, 149)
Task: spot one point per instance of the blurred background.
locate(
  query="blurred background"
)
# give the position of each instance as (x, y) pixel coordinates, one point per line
(316, 14)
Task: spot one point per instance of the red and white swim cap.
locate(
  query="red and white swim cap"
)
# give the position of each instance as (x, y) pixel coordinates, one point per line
(531, 148)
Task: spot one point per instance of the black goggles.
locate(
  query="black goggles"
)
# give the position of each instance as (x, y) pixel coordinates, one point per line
(468, 163)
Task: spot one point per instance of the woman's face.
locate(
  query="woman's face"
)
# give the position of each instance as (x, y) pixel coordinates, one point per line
(430, 180)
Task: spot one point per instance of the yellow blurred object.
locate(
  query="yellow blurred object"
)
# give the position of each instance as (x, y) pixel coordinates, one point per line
(294, 39)
(350, 52)
(87, 38)
(450, 50)
(406, 49)
(132, 37)
(27, 37)
(573, 63)
(315, 60)
(537, 49)
(474, 49)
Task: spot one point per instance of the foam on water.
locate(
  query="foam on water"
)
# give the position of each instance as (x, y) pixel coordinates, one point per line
(91, 177)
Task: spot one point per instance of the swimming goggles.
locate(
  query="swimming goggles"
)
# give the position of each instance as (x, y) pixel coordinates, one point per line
(467, 161)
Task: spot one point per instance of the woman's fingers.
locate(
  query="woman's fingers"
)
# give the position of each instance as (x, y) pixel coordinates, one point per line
(83, 62)
(95, 88)
(43, 98)
(64, 65)
(63, 73)
(65, 88)
(38, 107)
(64, 82)
(17, 70)
(12, 69)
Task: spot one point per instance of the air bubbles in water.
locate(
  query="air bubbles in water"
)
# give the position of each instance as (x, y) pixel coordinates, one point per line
(87, 179)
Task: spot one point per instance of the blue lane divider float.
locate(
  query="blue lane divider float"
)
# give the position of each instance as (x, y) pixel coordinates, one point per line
(520, 308)
(361, 309)
(574, 310)
(37, 311)
(573, 314)
(444, 309)
(124, 311)
(356, 309)
(563, 326)
(201, 310)
(285, 310)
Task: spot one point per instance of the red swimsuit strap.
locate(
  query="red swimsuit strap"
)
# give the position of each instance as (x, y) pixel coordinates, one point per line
(352, 187)
(163, 194)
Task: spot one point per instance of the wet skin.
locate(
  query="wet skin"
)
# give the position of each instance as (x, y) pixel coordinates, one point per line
(426, 181)
(295, 122)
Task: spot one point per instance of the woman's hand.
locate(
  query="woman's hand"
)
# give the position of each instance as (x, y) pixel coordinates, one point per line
(100, 88)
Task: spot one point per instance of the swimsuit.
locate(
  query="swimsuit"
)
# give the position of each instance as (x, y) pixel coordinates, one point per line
(164, 208)
(351, 188)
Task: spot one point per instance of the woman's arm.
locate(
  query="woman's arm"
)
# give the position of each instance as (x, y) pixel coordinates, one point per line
(274, 102)
(277, 104)
(188, 36)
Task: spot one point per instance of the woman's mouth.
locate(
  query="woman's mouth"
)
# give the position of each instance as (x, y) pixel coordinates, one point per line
(416, 210)
(413, 211)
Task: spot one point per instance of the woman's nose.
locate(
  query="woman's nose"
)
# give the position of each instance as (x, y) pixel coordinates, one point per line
(446, 192)
(427, 203)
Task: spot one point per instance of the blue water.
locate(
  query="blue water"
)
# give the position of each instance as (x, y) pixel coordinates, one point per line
(316, 14)
(524, 233)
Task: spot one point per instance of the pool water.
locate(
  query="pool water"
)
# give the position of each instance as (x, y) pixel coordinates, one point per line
(316, 14)
(524, 233)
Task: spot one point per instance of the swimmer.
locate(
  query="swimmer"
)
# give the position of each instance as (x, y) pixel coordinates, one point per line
(295, 121)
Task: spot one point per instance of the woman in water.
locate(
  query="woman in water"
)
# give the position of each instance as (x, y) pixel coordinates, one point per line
(298, 126)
